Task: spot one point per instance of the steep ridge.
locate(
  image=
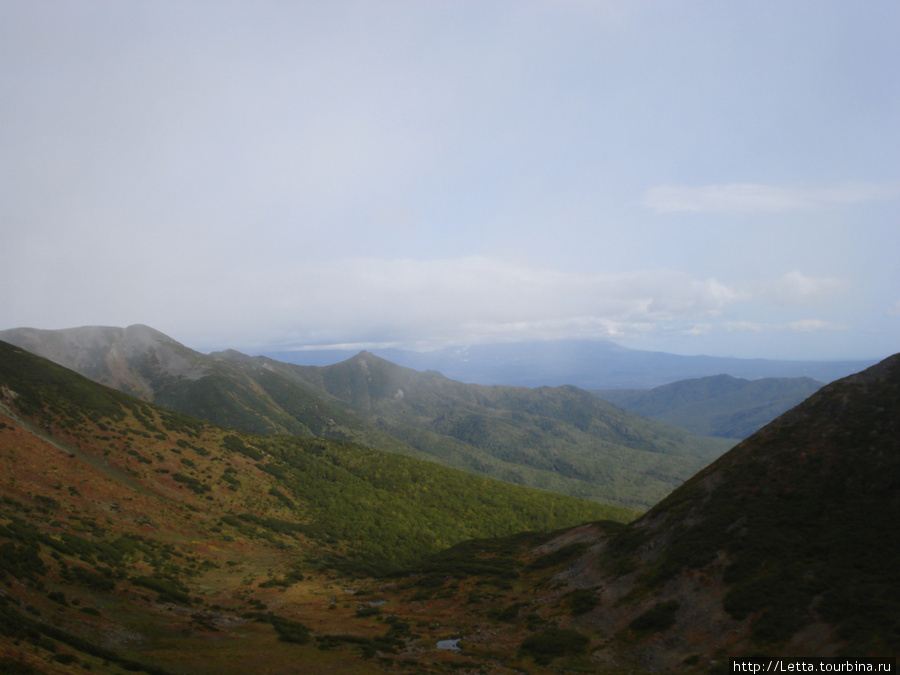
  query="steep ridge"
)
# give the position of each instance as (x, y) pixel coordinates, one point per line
(794, 529)
(226, 389)
(719, 405)
(559, 439)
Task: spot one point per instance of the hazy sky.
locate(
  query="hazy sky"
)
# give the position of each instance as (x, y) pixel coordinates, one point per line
(693, 177)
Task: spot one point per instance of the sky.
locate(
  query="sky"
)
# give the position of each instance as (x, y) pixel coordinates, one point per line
(696, 177)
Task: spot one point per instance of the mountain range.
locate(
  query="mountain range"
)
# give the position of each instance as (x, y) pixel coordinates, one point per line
(136, 538)
(586, 364)
(561, 439)
(125, 528)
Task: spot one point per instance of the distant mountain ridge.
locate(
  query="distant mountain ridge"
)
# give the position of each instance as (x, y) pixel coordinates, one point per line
(720, 405)
(142, 361)
(560, 439)
(586, 364)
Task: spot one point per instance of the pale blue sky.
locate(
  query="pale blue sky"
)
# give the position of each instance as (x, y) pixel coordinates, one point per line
(692, 177)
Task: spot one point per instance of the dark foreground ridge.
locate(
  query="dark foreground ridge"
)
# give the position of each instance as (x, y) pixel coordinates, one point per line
(786, 544)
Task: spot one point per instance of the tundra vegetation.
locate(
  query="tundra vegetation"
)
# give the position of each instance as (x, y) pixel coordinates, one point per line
(117, 513)
(135, 538)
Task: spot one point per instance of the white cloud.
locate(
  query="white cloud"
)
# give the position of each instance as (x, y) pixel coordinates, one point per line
(796, 288)
(815, 326)
(371, 302)
(700, 329)
(753, 198)
(799, 326)
(209, 170)
(894, 310)
(453, 301)
(746, 326)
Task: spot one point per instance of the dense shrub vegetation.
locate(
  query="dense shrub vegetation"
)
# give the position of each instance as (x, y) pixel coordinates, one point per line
(552, 643)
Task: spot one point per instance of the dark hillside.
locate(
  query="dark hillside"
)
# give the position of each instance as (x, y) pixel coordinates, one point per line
(791, 535)
(785, 546)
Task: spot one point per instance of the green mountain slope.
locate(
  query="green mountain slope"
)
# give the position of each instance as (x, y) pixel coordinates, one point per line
(119, 517)
(721, 405)
(354, 493)
(141, 361)
(559, 439)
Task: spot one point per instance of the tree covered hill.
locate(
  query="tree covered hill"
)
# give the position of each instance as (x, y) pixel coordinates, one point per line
(794, 529)
(559, 439)
(390, 508)
(556, 438)
(719, 405)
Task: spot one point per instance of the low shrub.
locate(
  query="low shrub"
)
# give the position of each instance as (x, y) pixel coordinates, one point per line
(552, 643)
(656, 620)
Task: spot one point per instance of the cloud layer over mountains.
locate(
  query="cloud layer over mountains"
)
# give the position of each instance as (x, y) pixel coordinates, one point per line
(683, 177)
